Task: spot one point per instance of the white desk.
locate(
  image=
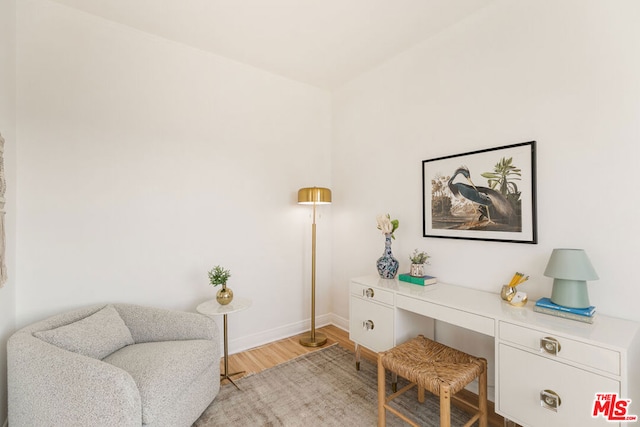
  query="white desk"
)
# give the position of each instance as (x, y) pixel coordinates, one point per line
(592, 358)
(213, 308)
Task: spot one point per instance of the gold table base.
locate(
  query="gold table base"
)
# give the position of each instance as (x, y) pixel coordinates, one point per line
(224, 375)
(228, 377)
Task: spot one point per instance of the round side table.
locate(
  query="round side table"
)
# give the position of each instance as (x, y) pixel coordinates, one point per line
(212, 308)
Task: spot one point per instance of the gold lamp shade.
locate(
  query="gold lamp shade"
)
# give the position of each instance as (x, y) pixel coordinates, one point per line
(311, 195)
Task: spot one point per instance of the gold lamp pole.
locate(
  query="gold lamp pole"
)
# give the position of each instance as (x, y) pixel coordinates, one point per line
(313, 196)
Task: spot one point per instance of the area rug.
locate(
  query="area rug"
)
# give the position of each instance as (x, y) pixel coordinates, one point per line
(322, 388)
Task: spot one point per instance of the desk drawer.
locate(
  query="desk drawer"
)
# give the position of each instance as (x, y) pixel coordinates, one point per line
(570, 350)
(371, 324)
(524, 375)
(464, 319)
(372, 294)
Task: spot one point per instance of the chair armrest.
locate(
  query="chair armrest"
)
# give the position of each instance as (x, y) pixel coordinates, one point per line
(48, 385)
(148, 324)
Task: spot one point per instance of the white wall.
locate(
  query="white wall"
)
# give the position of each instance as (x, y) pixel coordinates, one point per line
(8, 131)
(562, 73)
(144, 163)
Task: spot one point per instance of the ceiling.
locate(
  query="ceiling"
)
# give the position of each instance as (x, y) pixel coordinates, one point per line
(324, 43)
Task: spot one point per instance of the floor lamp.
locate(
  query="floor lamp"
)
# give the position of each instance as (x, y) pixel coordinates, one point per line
(313, 196)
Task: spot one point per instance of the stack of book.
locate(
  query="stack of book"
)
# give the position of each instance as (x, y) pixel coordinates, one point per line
(544, 305)
(417, 280)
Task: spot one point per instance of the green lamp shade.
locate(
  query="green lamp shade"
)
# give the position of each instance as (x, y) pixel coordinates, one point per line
(570, 269)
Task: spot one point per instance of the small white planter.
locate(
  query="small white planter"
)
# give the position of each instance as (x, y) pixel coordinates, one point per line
(417, 270)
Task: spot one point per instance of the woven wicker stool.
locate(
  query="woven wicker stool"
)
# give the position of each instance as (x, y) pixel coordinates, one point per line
(442, 370)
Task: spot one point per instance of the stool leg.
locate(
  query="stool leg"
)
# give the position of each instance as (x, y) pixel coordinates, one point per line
(445, 406)
(381, 394)
(482, 394)
(420, 393)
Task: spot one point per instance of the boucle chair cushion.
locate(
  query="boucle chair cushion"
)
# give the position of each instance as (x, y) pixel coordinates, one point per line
(95, 336)
(160, 373)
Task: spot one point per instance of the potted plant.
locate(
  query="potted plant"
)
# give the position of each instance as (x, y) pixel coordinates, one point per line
(218, 275)
(418, 260)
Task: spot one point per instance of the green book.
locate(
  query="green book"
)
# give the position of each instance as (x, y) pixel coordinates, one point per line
(417, 280)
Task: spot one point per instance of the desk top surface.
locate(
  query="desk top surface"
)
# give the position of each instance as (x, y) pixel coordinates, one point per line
(610, 330)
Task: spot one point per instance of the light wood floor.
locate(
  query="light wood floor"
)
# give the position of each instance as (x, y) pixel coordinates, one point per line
(260, 358)
(269, 355)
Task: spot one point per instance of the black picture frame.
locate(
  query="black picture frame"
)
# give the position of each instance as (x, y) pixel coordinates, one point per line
(498, 203)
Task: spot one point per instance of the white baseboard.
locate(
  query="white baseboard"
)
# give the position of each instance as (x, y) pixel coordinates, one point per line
(339, 322)
(237, 345)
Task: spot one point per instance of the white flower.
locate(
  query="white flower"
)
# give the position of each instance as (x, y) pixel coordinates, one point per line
(384, 224)
(387, 225)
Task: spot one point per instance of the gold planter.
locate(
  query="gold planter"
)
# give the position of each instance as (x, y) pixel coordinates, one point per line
(224, 295)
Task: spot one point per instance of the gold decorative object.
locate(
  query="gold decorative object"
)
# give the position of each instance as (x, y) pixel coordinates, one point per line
(225, 295)
(313, 196)
(510, 294)
(519, 299)
(513, 296)
(507, 292)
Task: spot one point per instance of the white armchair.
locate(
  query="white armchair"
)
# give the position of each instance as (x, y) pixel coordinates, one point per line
(114, 365)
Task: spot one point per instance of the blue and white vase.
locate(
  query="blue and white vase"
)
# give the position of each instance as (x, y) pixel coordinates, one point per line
(387, 264)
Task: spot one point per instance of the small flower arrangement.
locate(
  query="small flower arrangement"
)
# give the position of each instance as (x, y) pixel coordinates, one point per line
(387, 225)
(419, 257)
(218, 275)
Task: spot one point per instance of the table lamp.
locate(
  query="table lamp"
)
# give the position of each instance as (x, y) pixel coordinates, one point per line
(570, 269)
(313, 196)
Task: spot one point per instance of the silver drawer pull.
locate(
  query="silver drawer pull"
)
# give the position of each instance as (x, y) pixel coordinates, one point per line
(550, 400)
(550, 345)
(368, 325)
(367, 293)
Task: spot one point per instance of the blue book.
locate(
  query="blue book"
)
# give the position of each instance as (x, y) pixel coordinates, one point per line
(546, 303)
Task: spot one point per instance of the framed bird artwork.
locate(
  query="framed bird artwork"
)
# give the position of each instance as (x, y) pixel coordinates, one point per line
(487, 194)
